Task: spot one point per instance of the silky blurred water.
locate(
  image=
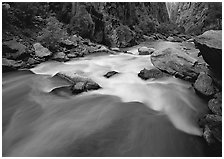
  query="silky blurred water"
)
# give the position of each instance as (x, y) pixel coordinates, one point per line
(127, 117)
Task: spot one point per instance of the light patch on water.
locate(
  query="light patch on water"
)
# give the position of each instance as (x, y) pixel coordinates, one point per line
(169, 96)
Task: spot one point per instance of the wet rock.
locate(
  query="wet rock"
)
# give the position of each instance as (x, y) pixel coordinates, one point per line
(31, 61)
(176, 62)
(204, 85)
(110, 74)
(14, 49)
(153, 73)
(149, 38)
(60, 56)
(174, 39)
(207, 134)
(210, 46)
(215, 104)
(115, 49)
(104, 49)
(41, 51)
(145, 50)
(10, 65)
(79, 83)
(79, 87)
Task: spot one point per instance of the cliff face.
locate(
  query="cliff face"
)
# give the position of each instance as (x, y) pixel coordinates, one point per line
(196, 17)
(117, 24)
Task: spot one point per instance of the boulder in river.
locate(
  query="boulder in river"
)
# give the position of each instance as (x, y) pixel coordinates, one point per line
(14, 49)
(204, 85)
(10, 65)
(176, 62)
(153, 73)
(145, 50)
(110, 74)
(210, 46)
(60, 56)
(78, 82)
(41, 51)
(215, 104)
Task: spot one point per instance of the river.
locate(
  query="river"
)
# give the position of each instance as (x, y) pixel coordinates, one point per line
(127, 117)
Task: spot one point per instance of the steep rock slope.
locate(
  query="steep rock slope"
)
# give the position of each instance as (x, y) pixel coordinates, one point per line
(196, 17)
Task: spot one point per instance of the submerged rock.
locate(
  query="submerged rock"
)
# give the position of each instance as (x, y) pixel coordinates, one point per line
(204, 85)
(176, 62)
(145, 50)
(210, 46)
(153, 73)
(41, 51)
(110, 74)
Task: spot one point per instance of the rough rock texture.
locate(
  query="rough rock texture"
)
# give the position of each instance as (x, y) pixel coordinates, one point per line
(196, 17)
(116, 24)
(110, 74)
(78, 82)
(215, 104)
(145, 50)
(204, 85)
(60, 56)
(153, 73)
(41, 51)
(210, 46)
(176, 62)
(13, 49)
(10, 65)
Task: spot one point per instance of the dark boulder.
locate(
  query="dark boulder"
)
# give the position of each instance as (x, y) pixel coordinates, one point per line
(215, 104)
(110, 74)
(153, 73)
(210, 46)
(13, 49)
(176, 62)
(204, 85)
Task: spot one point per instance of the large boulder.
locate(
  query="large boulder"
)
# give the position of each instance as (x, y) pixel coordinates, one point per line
(79, 83)
(60, 56)
(10, 65)
(13, 49)
(41, 51)
(145, 50)
(210, 46)
(176, 62)
(204, 85)
(153, 73)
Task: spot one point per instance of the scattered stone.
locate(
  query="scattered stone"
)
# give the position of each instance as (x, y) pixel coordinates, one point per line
(204, 86)
(110, 73)
(176, 62)
(145, 50)
(60, 56)
(14, 49)
(41, 51)
(153, 73)
(215, 104)
(210, 46)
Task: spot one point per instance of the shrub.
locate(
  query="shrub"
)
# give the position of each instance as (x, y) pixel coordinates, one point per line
(52, 34)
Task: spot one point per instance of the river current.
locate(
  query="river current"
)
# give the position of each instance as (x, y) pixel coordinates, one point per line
(128, 116)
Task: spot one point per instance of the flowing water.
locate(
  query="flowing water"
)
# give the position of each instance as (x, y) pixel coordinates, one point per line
(127, 117)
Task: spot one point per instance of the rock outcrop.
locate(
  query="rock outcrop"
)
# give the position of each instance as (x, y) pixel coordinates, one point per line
(196, 17)
(210, 46)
